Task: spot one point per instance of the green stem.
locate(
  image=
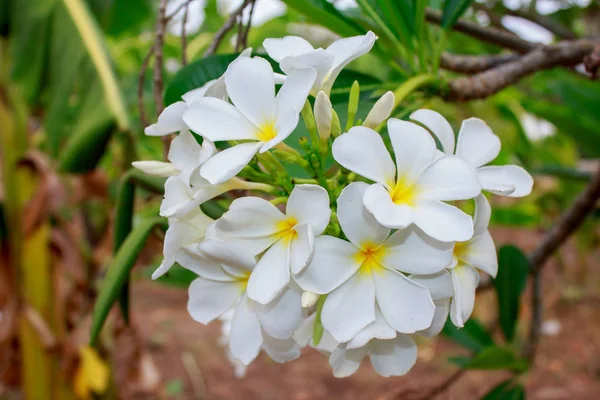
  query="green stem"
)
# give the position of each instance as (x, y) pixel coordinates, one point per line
(318, 328)
(411, 85)
(438, 51)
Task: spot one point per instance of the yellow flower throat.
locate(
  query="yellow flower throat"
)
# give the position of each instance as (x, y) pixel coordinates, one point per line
(370, 258)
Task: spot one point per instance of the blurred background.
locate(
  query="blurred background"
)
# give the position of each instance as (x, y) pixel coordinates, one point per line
(80, 79)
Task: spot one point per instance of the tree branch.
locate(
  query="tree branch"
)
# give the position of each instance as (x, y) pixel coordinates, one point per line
(225, 28)
(484, 84)
(490, 35)
(468, 64)
(545, 22)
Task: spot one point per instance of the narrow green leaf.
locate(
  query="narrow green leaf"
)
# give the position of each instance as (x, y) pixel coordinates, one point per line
(506, 390)
(497, 357)
(473, 335)
(118, 271)
(513, 268)
(324, 13)
(453, 10)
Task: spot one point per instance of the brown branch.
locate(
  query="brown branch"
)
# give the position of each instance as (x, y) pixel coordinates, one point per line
(181, 7)
(223, 30)
(242, 40)
(484, 84)
(432, 393)
(140, 91)
(545, 22)
(184, 34)
(468, 64)
(158, 66)
(491, 35)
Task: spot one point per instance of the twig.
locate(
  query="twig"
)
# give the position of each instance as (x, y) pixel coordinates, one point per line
(491, 35)
(437, 390)
(484, 84)
(225, 28)
(158, 65)
(468, 64)
(141, 80)
(181, 7)
(184, 35)
(242, 41)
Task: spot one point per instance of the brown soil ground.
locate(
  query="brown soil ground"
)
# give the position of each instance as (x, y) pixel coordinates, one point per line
(192, 364)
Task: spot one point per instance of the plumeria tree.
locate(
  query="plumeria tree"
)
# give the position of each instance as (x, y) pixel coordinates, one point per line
(320, 177)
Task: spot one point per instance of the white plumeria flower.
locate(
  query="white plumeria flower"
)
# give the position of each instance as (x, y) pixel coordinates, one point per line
(368, 270)
(413, 190)
(170, 120)
(476, 253)
(239, 369)
(391, 353)
(184, 234)
(257, 115)
(222, 286)
(294, 53)
(441, 290)
(185, 157)
(478, 145)
(256, 225)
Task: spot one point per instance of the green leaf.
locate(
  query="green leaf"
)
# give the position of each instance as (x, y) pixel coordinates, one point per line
(118, 271)
(196, 74)
(506, 390)
(453, 10)
(59, 54)
(513, 268)
(497, 357)
(473, 335)
(324, 13)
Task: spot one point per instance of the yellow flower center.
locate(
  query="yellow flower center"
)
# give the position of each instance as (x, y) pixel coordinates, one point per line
(370, 258)
(460, 249)
(266, 132)
(243, 280)
(285, 229)
(403, 193)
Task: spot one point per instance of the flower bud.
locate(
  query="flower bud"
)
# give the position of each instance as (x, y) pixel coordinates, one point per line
(336, 127)
(323, 115)
(309, 299)
(353, 104)
(381, 111)
(156, 168)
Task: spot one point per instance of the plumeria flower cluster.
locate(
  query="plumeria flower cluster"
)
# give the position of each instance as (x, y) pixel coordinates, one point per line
(355, 260)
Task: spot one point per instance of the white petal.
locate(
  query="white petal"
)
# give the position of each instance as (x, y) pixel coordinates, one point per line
(222, 253)
(280, 350)
(286, 46)
(332, 264)
(393, 357)
(156, 168)
(294, 91)
(251, 88)
(349, 308)
(483, 213)
(448, 178)
(284, 126)
(414, 149)
(217, 89)
(180, 234)
(362, 150)
(465, 280)
(177, 194)
(481, 253)
(218, 120)
(301, 248)
(184, 153)
(442, 221)
(169, 121)
(405, 305)
(442, 308)
(279, 78)
(319, 60)
(439, 285)
(283, 316)
(476, 142)
(381, 110)
(411, 251)
(497, 179)
(271, 274)
(346, 362)
(246, 337)
(359, 226)
(198, 93)
(438, 125)
(309, 204)
(346, 50)
(162, 269)
(229, 162)
(250, 217)
(378, 329)
(197, 262)
(209, 300)
(379, 203)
